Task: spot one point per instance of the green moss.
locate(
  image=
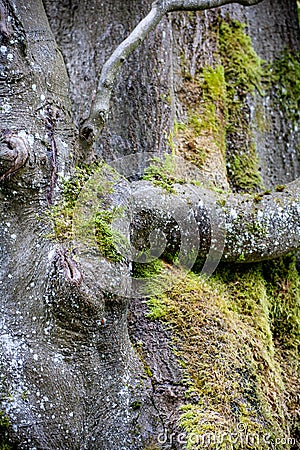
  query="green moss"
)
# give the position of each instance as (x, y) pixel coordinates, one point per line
(217, 115)
(221, 202)
(108, 240)
(99, 226)
(279, 188)
(236, 334)
(284, 293)
(214, 115)
(4, 428)
(206, 116)
(217, 104)
(137, 404)
(224, 333)
(163, 172)
(244, 74)
(243, 170)
(242, 66)
(61, 214)
(256, 228)
(147, 270)
(139, 350)
(241, 257)
(157, 308)
(258, 197)
(285, 80)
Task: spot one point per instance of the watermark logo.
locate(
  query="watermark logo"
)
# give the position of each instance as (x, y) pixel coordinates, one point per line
(139, 210)
(241, 437)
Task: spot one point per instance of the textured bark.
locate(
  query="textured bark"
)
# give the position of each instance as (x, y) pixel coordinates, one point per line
(66, 353)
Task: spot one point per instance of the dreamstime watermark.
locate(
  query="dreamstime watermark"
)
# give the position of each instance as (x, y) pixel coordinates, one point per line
(141, 222)
(242, 438)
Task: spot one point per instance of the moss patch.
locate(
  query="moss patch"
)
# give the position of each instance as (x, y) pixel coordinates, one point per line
(161, 173)
(147, 270)
(243, 67)
(206, 116)
(99, 228)
(218, 118)
(283, 289)
(61, 214)
(139, 350)
(107, 239)
(166, 172)
(4, 428)
(244, 74)
(224, 337)
(285, 79)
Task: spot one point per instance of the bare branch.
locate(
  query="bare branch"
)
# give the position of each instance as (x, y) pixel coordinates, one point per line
(100, 107)
(247, 228)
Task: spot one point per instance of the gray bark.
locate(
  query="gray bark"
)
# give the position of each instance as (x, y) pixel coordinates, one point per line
(70, 380)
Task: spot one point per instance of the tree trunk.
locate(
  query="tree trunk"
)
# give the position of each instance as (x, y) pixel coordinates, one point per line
(82, 368)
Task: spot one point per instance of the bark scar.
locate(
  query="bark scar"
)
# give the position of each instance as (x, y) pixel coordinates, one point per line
(14, 155)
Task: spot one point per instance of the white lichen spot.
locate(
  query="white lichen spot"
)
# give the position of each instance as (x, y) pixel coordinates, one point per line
(28, 138)
(13, 236)
(260, 214)
(35, 357)
(233, 213)
(6, 107)
(3, 49)
(33, 87)
(43, 97)
(10, 56)
(51, 254)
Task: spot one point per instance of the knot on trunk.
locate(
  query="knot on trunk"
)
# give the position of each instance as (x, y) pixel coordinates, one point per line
(13, 153)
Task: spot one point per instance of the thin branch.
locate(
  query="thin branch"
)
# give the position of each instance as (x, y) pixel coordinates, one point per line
(100, 107)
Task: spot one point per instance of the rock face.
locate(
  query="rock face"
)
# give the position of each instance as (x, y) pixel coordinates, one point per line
(83, 369)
